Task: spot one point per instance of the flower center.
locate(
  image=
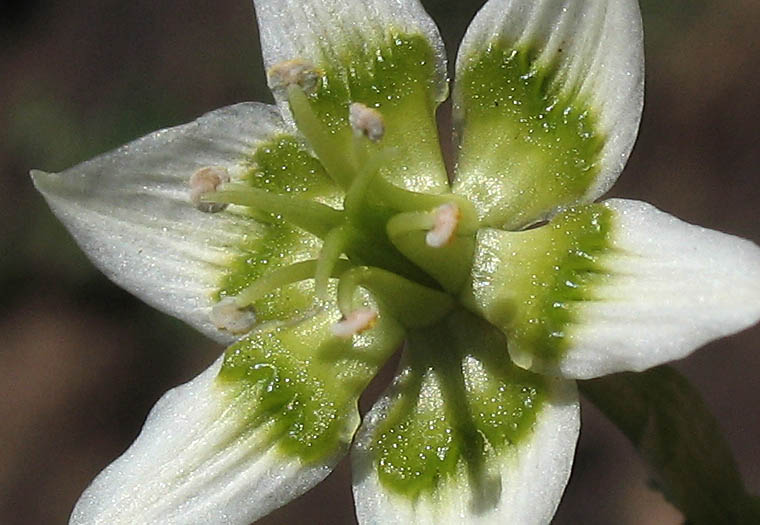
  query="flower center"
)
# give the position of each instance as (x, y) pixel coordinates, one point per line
(410, 249)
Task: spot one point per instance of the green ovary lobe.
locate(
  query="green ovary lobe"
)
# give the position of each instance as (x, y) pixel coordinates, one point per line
(526, 147)
(528, 283)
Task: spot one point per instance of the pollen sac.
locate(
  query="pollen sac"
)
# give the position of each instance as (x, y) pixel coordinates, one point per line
(355, 323)
(227, 315)
(366, 121)
(446, 222)
(205, 181)
(297, 72)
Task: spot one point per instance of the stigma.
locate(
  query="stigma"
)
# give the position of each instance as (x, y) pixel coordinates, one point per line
(446, 221)
(205, 181)
(366, 121)
(355, 323)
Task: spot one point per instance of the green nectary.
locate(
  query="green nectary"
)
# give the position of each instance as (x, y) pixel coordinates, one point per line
(303, 383)
(281, 166)
(527, 145)
(301, 380)
(527, 283)
(284, 166)
(289, 370)
(397, 78)
(475, 407)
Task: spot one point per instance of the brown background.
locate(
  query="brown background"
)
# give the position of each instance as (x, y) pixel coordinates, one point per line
(81, 362)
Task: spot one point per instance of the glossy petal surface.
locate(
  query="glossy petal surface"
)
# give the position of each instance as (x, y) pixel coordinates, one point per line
(196, 461)
(130, 210)
(614, 286)
(463, 436)
(548, 98)
(258, 428)
(385, 55)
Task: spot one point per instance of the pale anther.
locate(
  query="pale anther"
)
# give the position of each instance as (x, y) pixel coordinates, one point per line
(205, 181)
(366, 121)
(297, 72)
(446, 222)
(355, 323)
(227, 315)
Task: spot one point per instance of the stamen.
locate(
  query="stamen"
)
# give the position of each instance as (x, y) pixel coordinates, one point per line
(280, 277)
(407, 302)
(206, 181)
(366, 121)
(297, 72)
(313, 217)
(446, 221)
(355, 202)
(441, 241)
(332, 248)
(354, 323)
(228, 315)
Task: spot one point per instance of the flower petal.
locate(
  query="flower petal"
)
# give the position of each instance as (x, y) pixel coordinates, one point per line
(548, 99)
(130, 210)
(323, 30)
(464, 436)
(260, 427)
(194, 463)
(385, 55)
(612, 287)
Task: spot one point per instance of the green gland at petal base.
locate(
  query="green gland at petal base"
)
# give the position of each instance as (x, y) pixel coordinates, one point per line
(302, 384)
(526, 148)
(529, 283)
(397, 79)
(281, 167)
(459, 408)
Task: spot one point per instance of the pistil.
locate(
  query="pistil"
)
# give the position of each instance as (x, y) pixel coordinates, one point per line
(332, 248)
(412, 243)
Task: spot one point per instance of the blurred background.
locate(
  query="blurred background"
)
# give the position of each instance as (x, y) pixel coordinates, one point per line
(82, 362)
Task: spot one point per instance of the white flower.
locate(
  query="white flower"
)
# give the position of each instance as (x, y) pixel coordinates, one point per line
(325, 231)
